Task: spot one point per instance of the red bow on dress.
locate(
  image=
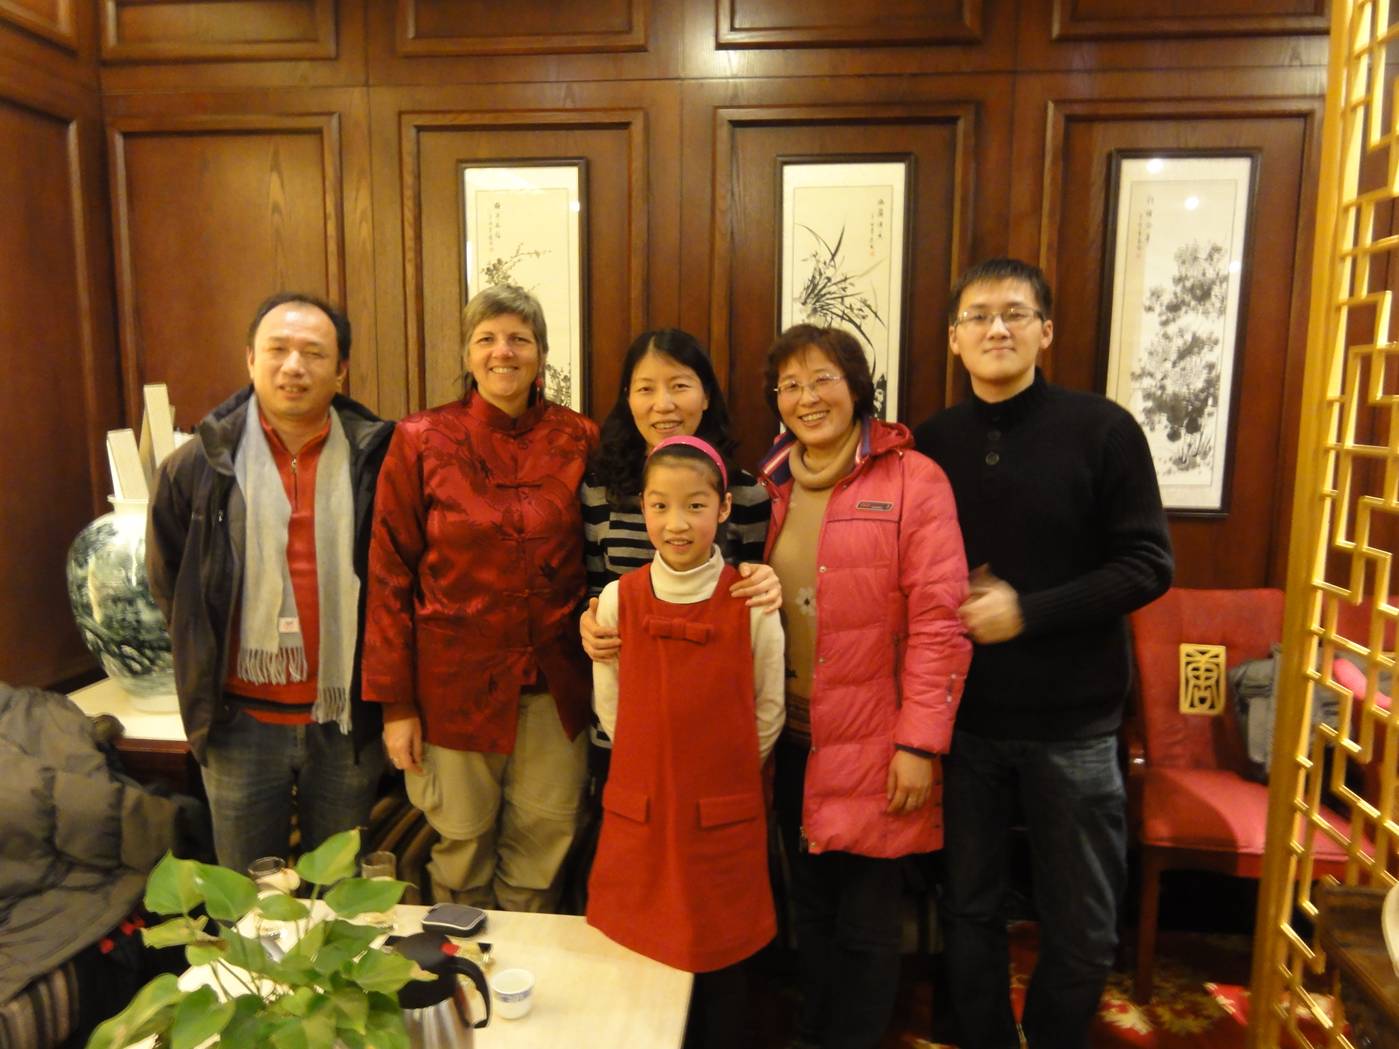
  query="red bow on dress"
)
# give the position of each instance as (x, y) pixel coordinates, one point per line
(678, 629)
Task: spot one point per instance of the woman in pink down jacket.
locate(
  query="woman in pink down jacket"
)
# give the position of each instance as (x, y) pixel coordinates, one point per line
(864, 538)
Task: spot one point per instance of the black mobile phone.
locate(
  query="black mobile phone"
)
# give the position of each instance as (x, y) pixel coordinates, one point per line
(454, 919)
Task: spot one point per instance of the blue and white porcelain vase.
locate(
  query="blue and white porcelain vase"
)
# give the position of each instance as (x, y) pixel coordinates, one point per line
(112, 603)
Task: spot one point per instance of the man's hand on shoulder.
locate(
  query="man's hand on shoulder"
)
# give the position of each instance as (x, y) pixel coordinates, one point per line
(991, 612)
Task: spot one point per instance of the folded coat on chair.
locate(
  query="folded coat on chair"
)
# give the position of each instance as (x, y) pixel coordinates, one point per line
(78, 840)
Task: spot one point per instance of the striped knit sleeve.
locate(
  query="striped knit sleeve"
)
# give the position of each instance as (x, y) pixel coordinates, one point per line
(626, 546)
(593, 498)
(746, 531)
(614, 541)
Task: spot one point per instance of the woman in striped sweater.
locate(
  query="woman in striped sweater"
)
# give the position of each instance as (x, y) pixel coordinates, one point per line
(667, 388)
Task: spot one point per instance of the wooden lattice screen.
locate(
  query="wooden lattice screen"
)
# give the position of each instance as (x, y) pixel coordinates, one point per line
(1345, 523)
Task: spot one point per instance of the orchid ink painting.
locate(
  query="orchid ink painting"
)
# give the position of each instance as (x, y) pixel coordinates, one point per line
(842, 259)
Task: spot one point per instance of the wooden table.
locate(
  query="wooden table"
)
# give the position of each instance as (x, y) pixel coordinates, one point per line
(588, 991)
(154, 745)
(1354, 944)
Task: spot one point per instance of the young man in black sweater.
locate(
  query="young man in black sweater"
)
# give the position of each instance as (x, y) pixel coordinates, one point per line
(1061, 515)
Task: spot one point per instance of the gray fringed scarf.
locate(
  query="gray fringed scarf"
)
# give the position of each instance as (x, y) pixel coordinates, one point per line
(266, 653)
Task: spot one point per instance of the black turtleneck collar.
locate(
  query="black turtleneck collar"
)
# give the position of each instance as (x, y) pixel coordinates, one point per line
(1003, 414)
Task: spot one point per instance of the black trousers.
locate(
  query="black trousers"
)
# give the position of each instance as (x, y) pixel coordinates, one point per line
(848, 910)
(719, 1010)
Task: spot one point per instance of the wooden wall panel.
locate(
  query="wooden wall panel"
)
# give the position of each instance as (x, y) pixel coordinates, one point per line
(445, 42)
(669, 100)
(1248, 546)
(248, 30)
(54, 20)
(739, 315)
(453, 27)
(831, 39)
(60, 390)
(191, 45)
(1088, 35)
(50, 38)
(213, 213)
(1145, 19)
(824, 23)
(632, 190)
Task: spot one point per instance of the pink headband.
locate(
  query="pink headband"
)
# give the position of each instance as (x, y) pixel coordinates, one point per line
(699, 445)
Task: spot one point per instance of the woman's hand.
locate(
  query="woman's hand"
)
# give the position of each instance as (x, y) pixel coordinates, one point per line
(403, 739)
(600, 644)
(910, 782)
(760, 586)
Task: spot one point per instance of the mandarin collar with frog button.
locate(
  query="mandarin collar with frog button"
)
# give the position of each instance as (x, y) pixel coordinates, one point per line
(480, 408)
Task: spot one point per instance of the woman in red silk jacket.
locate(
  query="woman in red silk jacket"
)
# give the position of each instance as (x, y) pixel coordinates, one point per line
(476, 579)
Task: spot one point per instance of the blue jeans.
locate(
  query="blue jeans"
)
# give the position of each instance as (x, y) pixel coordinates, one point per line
(1073, 801)
(251, 770)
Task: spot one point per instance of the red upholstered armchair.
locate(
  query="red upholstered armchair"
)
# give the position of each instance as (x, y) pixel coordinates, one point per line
(1192, 806)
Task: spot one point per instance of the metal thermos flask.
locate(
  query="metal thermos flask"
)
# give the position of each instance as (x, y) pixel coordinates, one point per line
(437, 1013)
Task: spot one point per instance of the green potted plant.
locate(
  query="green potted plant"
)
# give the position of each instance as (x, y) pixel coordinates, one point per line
(330, 988)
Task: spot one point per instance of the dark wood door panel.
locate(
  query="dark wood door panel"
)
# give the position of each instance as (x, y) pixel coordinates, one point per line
(1238, 549)
(625, 135)
(212, 215)
(730, 288)
(745, 311)
(614, 269)
(59, 393)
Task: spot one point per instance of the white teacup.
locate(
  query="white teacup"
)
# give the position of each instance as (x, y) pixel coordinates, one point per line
(513, 990)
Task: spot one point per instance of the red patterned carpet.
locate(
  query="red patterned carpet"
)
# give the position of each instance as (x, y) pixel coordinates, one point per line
(1200, 999)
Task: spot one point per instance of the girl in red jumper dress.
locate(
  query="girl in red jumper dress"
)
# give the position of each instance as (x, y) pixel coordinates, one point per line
(693, 704)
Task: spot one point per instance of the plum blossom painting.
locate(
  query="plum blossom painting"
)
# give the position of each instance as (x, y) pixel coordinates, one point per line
(842, 258)
(1178, 247)
(522, 225)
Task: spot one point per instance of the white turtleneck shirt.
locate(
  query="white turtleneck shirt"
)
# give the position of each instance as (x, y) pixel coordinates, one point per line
(686, 588)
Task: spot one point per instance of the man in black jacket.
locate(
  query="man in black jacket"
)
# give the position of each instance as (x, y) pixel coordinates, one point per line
(1061, 515)
(256, 549)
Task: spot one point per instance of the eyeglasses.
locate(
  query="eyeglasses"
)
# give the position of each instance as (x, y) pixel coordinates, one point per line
(1015, 318)
(822, 384)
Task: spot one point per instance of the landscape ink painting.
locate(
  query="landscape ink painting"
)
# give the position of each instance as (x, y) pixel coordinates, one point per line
(1178, 250)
